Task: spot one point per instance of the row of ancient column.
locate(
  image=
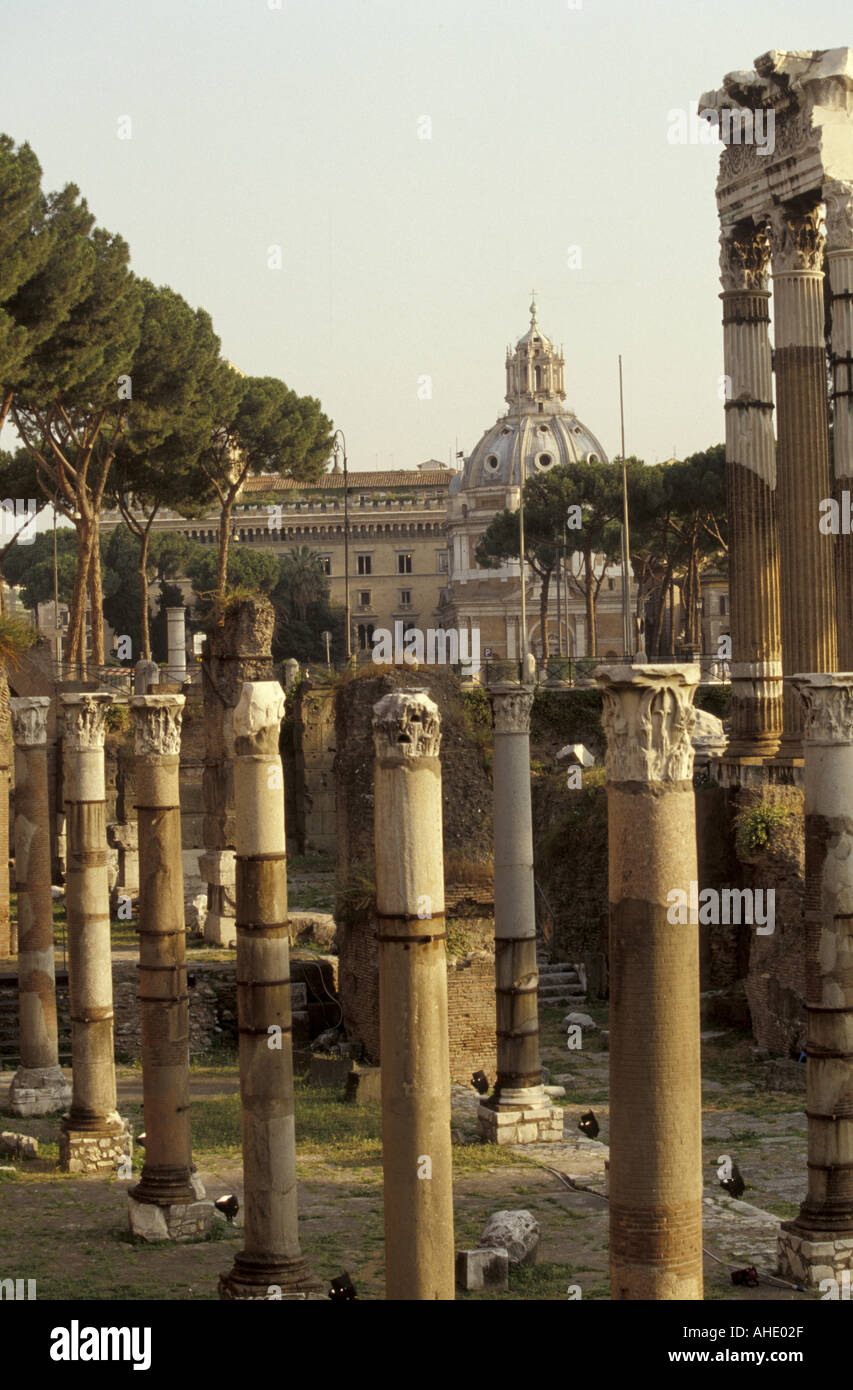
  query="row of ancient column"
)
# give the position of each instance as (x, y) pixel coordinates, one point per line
(791, 580)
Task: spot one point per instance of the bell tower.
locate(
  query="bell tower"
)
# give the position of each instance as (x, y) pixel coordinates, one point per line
(535, 372)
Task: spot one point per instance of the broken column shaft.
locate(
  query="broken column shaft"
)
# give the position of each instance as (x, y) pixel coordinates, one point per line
(818, 1244)
(655, 1084)
(167, 1183)
(93, 1137)
(38, 1087)
(271, 1258)
(519, 1111)
(416, 1148)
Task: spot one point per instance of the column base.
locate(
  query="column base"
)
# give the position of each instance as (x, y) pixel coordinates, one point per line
(808, 1257)
(39, 1091)
(96, 1149)
(179, 1221)
(535, 1124)
(164, 1187)
(257, 1278)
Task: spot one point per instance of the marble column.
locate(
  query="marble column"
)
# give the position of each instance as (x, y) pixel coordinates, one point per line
(416, 1149)
(93, 1137)
(165, 1204)
(818, 1244)
(806, 554)
(271, 1263)
(839, 255)
(655, 1082)
(519, 1110)
(751, 495)
(38, 1086)
(177, 643)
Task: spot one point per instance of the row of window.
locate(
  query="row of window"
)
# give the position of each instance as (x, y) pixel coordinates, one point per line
(405, 598)
(364, 563)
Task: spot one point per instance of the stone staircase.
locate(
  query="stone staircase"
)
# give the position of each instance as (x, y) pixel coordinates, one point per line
(561, 983)
(10, 1054)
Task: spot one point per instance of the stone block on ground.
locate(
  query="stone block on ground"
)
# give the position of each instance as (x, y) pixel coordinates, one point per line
(330, 1071)
(364, 1085)
(313, 926)
(183, 1222)
(18, 1145)
(516, 1232)
(482, 1269)
(582, 1020)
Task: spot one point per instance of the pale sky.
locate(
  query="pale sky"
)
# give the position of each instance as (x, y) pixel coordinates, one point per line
(298, 124)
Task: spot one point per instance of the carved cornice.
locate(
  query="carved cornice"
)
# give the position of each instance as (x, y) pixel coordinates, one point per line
(838, 196)
(798, 237)
(827, 706)
(85, 720)
(648, 720)
(406, 724)
(157, 724)
(744, 258)
(511, 710)
(29, 720)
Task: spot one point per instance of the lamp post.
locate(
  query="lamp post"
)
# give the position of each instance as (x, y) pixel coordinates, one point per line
(339, 445)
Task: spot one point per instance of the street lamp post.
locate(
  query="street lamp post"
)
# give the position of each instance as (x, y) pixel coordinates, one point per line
(339, 445)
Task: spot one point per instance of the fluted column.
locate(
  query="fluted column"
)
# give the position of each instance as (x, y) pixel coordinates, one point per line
(416, 1151)
(167, 1183)
(756, 669)
(519, 1110)
(93, 1136)
(271, 1260)
(839, 256)
(819, 1242)
(806, 557)
(38, 1086)
(655, 1084)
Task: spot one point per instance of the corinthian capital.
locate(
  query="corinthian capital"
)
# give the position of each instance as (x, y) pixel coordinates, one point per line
(838, 196)
(157, 724)
(406, 724)
(85, 719)
(29, 720)
(798, 237)
(744, 257)
(648, 718)
(511, 708)
(827, 706)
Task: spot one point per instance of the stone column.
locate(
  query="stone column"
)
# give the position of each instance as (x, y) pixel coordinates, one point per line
(8, 929)
(164, 1204)
(177, 643)
(271, 1258)
(236, 651)
(751, 494)
(818, 1244)
(655, 1084)
(519, 1110)
(806, 556)
(38, 1087)
(839, 254)
(93, 1138)
(416, 1150)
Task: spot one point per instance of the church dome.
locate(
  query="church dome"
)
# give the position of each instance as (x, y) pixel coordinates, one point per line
(538, 432)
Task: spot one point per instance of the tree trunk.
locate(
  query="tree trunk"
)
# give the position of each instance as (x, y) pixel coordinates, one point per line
(543, 614)
(592, 636)
(96, 595)
(145, 628)
(77, 608)
(224, 541)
